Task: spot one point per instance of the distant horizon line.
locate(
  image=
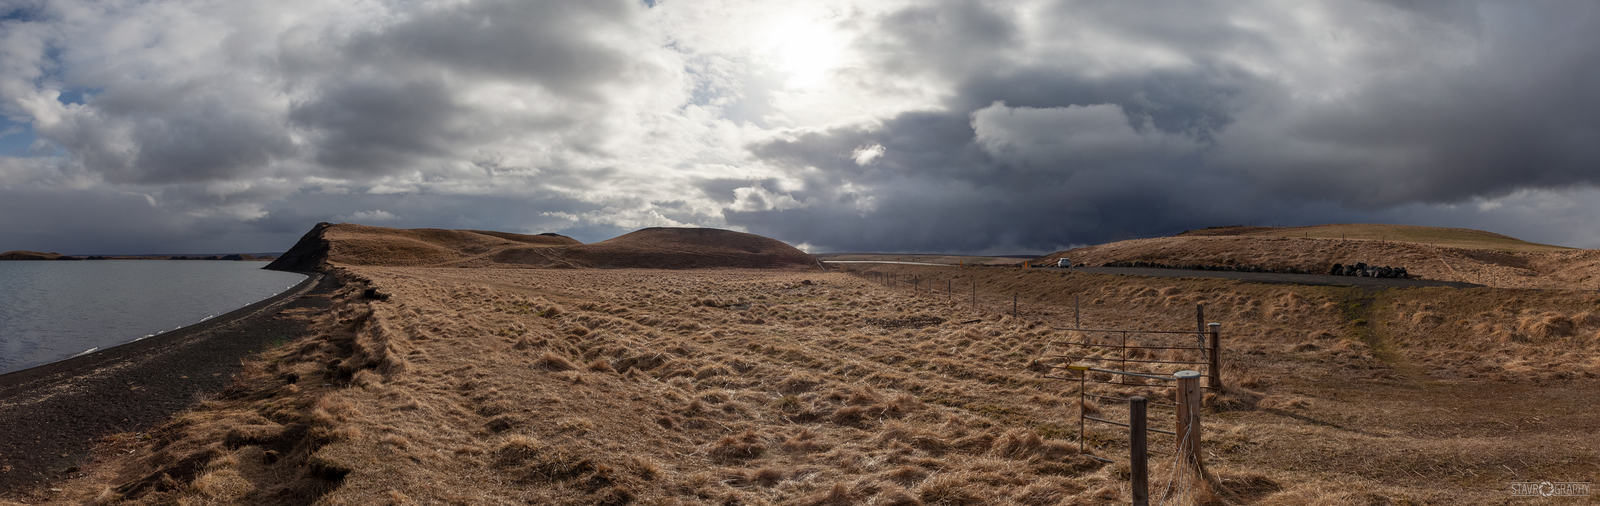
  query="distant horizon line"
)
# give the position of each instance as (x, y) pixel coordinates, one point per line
(275, 253)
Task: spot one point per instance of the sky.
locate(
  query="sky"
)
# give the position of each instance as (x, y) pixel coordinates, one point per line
(1022, 126)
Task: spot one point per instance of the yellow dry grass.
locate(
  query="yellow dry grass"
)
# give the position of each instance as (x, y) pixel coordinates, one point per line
(522, 386)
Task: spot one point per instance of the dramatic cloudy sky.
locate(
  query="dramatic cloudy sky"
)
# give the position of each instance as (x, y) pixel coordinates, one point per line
(929, 125)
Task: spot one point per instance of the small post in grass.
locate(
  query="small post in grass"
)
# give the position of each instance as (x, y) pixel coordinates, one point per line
(1216, 357)
(1138, 463)
(1188, 415)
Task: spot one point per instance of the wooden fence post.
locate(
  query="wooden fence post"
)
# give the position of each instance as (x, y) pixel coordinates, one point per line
(1216, 358)
(1189, 415)
(1138, 462)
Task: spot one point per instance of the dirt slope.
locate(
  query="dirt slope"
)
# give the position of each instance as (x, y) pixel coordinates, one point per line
(1431, 253)
(662, 248)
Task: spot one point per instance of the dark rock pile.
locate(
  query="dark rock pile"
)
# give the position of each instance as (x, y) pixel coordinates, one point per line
(1202, 267)
(912, 322)
(1361, 269)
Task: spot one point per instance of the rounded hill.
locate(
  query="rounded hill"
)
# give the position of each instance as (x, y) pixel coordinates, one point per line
(1435, 236)
(31, 255)
(1436, 253)
(351, 244)
(668, 248)
(658, 248)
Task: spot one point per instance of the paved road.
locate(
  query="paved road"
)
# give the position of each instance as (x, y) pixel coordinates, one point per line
(1254, 277)
(1267, 277)
(881, 262)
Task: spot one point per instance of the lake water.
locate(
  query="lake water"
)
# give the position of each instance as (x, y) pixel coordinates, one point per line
(53, 310)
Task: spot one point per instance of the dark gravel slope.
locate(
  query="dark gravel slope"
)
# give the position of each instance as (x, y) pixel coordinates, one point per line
(52, 415)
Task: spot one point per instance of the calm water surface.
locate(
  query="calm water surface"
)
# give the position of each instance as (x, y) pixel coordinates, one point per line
(53, 310)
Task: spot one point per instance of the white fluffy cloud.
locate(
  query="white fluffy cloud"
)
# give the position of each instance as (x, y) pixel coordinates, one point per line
(374, 215)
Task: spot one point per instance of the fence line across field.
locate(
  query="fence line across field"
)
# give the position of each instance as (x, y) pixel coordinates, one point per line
(1112, 347)
(1209, 350)
(1186, 451)
(1187, 388)
(967, 295)
(954, 294)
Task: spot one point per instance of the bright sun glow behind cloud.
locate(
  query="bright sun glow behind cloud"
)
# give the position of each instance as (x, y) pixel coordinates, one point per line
(805, 49)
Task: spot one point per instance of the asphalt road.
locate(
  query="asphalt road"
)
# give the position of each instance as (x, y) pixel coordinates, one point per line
(1254, 277)
(1267, 277)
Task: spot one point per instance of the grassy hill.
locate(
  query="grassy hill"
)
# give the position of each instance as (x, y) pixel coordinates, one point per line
(1445, 254)
(1436, 236)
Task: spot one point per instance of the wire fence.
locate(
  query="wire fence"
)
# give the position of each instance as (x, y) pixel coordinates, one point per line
(958, 291)
(1134, 367)
(1149, 352)
(1123, 366)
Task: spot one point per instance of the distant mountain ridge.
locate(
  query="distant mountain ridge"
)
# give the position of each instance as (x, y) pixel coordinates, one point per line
(34, 255)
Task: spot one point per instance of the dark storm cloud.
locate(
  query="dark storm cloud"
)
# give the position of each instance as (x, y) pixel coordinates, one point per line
(550, 43)
(210, 142)
(936, 189)
(1526, 115)
(154, 135)
(382, 99)
(402, 104)
(1194, 101)
(1025, 154)
(84, 222)
(721, 189)
(369, 128)
(948, 37)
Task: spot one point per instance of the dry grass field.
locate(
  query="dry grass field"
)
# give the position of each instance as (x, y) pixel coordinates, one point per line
(624, 386)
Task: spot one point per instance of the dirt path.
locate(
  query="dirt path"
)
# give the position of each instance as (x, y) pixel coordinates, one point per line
(51, 416)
